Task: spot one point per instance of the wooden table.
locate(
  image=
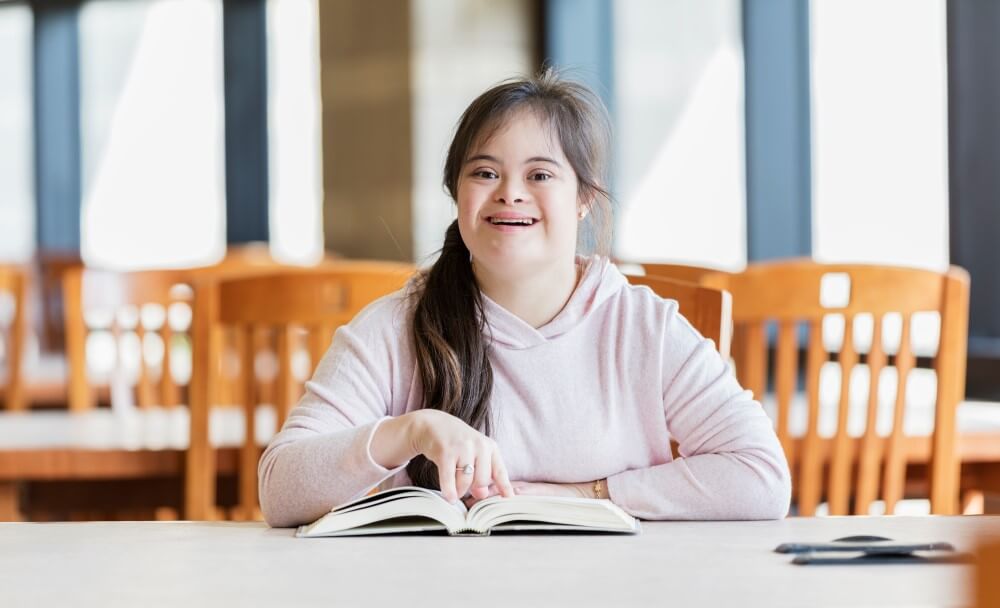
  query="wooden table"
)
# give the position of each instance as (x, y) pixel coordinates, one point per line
(135, 444)
(669, 564)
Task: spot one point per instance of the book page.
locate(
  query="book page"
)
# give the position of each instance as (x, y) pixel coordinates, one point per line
(398, 509)
(396, 494)
(566, 511)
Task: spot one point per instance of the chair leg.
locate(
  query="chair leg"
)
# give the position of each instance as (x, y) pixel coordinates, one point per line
(9, 507)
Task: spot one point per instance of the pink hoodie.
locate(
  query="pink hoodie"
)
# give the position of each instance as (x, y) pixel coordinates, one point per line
(597, 392)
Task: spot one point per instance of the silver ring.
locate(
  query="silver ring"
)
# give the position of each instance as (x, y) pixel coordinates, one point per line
(466, 470)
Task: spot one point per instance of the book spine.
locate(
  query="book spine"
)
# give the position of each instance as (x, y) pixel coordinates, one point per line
(469, 532)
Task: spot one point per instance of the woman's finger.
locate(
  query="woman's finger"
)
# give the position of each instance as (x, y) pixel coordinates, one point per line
(483, 474)
(499, 472)
(464, 473)
(446, 479)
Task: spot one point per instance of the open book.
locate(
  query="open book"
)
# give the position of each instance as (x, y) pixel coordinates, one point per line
(413, 509)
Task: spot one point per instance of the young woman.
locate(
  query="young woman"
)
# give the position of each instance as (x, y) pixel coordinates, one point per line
(515, 366)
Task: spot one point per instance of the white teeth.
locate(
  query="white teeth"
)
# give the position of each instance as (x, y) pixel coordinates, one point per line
(524, 221)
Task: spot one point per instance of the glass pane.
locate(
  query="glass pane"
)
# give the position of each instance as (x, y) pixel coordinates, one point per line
(17, 167)
(152, 133)
(679, 126)
(880, 155)
(460, 48)
(294, 130)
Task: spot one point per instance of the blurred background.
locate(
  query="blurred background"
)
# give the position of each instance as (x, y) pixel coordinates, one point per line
(145, 134)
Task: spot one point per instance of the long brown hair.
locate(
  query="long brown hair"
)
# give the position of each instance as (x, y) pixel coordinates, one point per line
(449, 324)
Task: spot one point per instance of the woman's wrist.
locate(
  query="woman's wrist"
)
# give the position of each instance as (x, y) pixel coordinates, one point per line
(592, 489)
(392, 444)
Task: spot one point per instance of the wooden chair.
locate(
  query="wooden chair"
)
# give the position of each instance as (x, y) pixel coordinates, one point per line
(138, 303)
(987, 571)
(86, 445)
(295, 304)
(13, 281)
(788, 295)
(760, 295)
(102, 295)
(679, 272)
(708, 309)
(50, 268)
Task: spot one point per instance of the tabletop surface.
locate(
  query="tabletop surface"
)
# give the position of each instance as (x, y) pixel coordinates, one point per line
(194, 564)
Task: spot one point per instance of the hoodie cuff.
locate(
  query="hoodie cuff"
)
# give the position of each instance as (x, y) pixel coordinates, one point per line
(384, 472)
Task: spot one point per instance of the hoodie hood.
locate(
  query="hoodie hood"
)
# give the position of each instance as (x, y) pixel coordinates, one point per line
(599, 281)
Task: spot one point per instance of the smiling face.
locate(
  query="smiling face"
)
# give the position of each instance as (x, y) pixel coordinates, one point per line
(518, 203)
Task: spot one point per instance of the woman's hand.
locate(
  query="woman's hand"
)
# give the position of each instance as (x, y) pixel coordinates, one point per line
(528, 488)
(451, 444)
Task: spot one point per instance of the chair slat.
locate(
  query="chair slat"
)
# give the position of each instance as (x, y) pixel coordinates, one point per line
(169, 391)
(144, 389)
(237, 382)
(80, 395)
(810, 458)
(949, 365)
(248, 451)
(200, 465)
(839, 492)
(895, 459)
(14, 280)
(786, 375)
(284, 384)
(871, 448)
(752, 368)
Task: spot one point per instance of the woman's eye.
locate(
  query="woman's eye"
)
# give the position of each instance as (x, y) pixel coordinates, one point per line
(540, 177)
(485, 174)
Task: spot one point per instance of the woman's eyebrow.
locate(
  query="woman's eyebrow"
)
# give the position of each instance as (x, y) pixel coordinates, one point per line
(486, 157)
(493, 159)
(542, 159)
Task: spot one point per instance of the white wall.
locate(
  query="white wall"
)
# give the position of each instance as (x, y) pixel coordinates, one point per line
(679, 107)
(880, 140)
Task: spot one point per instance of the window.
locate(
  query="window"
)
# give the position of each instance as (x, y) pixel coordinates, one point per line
(152, 133)
(680, 132)
(880, 141)
(17, 196)
(460, 48)
(294, 130)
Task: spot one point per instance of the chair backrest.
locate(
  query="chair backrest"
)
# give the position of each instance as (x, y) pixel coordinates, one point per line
(708, 309)
(13, 331)
(303, 308)
(126, 317)
(791, 301)
(107, 301)
(679, 272)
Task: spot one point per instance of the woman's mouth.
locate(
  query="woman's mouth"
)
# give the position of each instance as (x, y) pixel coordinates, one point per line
(511, 223)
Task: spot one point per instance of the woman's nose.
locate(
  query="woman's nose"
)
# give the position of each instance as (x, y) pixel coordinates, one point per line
(509, 193)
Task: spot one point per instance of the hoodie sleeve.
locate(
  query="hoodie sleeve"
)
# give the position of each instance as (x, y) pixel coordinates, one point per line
(731, 464)
(321, 457)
